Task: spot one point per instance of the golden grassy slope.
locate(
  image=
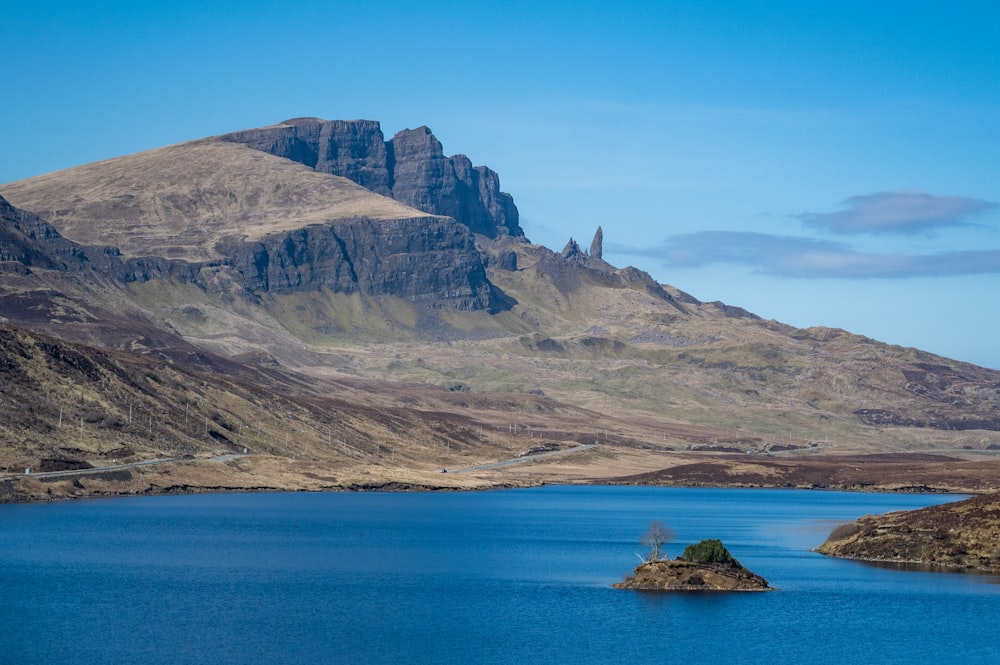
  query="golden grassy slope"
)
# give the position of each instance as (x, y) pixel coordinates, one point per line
(177, 202)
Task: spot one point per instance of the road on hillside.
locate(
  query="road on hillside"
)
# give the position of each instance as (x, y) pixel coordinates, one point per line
(105, 469)
(85, 472)
(526, 458)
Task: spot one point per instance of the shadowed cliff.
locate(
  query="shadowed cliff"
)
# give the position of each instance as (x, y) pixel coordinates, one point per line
(411, 168)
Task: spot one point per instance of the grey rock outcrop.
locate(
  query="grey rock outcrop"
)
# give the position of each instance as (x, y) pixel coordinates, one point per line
(353, 149)
(427, 180)
(507, 260)
(411, 168)
(572, 250)
(426, 260)
(430, 261)
(28, 239)
(597, 245)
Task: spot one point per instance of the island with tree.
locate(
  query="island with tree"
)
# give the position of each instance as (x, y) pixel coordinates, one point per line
(704, 566)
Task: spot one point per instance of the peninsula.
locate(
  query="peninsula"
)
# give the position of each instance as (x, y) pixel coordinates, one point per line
(960, 535)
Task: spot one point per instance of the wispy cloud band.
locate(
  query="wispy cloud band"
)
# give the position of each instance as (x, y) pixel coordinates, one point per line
(905, 212)
(791, 256)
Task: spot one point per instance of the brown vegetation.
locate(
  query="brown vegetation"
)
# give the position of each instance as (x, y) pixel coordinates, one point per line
(885, 472)
(105, 360)
(676, 575)
(965, 534)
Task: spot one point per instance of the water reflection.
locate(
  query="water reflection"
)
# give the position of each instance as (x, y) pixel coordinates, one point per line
(992, 577)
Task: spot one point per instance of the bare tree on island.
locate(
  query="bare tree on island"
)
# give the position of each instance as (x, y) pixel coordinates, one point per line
(657, 535)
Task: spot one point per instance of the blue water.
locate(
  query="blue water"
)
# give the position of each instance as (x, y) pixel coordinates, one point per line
(519, 576)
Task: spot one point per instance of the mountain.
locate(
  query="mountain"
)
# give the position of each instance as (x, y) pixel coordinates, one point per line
(411, 168)
(313, 260)
(242, 219)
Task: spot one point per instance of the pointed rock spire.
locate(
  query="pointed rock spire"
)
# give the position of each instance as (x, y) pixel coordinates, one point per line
(597, 246)
(571, 249)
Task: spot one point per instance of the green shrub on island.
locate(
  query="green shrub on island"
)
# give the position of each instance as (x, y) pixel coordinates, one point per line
(709, 551)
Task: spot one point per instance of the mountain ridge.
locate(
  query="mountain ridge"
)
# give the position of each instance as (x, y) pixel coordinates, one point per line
(250, 264)
(239, 218)
(411, 168)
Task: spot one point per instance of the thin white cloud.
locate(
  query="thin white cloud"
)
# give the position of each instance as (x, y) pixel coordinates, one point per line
(897, 212)
(791, 256)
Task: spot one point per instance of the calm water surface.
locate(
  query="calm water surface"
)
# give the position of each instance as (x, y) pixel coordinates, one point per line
(516, 576)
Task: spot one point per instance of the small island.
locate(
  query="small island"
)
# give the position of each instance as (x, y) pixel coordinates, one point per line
(704, 566)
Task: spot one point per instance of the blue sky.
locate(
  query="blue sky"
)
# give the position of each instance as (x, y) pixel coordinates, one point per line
(828, 164)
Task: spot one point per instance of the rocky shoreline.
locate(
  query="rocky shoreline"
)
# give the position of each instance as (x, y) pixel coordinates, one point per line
(964, 535)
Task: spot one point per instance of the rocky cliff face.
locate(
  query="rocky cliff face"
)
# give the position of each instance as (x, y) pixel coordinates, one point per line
(411, 168)
(427, 260)
(27, 239)
(353, 149)
(427, 180)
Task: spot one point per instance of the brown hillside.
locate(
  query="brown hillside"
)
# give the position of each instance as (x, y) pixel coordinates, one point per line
(178, 202)
(276, 283)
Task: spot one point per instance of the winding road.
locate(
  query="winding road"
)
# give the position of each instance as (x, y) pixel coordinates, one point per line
(526, 458)
(69, 473)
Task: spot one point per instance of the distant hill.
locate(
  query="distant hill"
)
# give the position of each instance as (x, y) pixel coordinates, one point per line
(315, 251)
